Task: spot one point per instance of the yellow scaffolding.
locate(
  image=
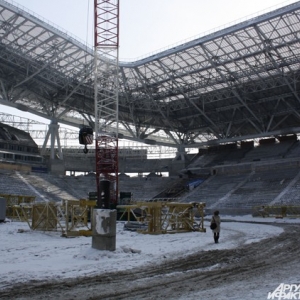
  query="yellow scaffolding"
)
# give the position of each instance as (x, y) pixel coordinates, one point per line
(73, 217)
(166, 217)
(77, 214)
(69, 216)
(13, 203)
(276, 211)
(44, 217)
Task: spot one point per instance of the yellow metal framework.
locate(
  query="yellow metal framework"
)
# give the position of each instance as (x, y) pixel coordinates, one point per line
(166, 217)
(44, 217)
(77, 215)
(69, 216)
(73, 217)
(14, 203)
(277, 211)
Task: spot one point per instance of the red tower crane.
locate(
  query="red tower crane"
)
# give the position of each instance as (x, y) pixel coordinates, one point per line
(106, 85)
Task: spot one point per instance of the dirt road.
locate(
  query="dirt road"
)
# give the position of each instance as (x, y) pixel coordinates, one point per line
(242, 273)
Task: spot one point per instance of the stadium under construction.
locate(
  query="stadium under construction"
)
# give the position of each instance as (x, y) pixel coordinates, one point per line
(233, 95)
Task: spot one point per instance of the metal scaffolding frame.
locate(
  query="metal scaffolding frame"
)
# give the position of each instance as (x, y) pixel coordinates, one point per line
(106, 86)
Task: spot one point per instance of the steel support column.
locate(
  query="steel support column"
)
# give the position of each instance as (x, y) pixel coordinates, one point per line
(54, 133)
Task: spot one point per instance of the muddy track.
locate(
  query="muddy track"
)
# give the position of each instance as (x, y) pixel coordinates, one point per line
(199, 271)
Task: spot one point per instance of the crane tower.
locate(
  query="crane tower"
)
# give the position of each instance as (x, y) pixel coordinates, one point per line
(106, 84)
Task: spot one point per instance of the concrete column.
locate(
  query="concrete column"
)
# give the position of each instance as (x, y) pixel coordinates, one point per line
(53, 133)
(104, 225)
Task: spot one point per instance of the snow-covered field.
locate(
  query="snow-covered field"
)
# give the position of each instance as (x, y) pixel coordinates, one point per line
(27, 255)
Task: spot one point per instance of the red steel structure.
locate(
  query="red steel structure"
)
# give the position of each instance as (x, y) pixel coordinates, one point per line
(106, 95)
(106, 23)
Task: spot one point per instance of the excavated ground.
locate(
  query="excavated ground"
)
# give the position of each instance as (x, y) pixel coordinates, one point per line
(215, 274)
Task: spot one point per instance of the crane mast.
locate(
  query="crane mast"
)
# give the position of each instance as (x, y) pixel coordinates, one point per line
(106, 87)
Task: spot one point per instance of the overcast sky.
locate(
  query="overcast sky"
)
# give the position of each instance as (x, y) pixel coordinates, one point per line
(147, 26)
(150, 25)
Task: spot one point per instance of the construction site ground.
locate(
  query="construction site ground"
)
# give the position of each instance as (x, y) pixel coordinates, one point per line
(249, 271)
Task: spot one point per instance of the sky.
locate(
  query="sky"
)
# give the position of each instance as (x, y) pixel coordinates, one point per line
(147, 26)
(26, 254)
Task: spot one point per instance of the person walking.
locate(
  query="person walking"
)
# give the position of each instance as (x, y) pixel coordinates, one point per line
(216, 228)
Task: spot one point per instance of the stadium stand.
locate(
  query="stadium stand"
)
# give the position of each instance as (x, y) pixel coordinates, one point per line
(268, 151)
(233, 177)
(17, 146)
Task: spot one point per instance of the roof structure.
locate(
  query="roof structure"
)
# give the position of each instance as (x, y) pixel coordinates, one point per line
(238, 83)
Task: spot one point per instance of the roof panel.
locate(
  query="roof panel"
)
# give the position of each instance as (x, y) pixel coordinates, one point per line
(256, 60)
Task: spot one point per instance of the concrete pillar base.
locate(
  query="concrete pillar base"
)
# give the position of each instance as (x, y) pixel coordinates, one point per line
(104, 243)
(104, 229)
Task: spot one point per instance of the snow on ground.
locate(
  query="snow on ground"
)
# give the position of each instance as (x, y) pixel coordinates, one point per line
(27, 255)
